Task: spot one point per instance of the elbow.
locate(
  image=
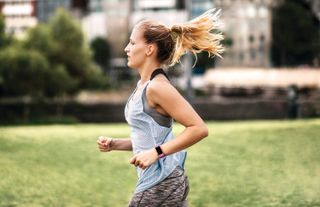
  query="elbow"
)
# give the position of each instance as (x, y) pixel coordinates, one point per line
(204, 132)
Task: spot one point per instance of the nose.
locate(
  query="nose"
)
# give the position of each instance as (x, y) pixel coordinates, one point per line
(126, 49)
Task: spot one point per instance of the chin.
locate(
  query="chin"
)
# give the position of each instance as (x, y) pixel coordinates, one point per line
(130, 65)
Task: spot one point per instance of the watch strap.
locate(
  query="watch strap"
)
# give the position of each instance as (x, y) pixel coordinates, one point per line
(160, 152)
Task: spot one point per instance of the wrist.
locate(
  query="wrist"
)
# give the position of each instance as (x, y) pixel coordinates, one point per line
(112, 143)
(159, 152)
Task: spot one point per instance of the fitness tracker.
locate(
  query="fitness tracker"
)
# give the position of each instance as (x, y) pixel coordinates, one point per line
(159, 151)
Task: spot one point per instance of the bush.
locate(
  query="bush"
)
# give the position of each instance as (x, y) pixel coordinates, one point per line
(22, 72)
(101, 53)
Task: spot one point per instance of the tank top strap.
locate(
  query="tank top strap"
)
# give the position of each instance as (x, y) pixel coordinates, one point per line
(157, 72)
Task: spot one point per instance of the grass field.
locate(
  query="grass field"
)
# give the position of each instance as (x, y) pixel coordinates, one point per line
(240, 164)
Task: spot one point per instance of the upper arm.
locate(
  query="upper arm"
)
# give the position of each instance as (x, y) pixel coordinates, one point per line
(163, 94)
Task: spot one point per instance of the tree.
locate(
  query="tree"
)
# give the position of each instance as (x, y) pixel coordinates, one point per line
(101, 53)
(71, 66)
(39, 38)
(52, 61)
(23, 72)
(295, 34)
(71, 50)
(4, 40)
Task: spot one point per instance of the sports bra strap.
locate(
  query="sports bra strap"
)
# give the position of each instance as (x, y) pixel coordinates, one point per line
(157, 72)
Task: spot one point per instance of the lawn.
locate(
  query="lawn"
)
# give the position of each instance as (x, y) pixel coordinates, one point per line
(240, 164)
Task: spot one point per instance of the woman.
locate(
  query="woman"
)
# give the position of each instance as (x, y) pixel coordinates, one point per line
(158, 156)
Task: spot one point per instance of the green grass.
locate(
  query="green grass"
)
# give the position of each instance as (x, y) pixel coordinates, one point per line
(240, 164)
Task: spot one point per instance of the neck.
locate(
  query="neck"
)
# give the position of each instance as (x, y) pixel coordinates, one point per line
(146, 70)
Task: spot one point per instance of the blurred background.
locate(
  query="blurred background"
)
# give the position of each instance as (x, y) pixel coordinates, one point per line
(63, 60)
(62, 63)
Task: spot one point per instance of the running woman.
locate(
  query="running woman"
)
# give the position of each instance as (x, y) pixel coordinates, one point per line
(158, 156)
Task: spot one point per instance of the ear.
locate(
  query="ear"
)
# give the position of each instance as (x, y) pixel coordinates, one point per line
(150, 49)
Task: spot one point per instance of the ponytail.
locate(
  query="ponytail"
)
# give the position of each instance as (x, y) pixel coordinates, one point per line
(196, 36)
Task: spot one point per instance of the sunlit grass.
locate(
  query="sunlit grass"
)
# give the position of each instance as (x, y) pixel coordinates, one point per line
(240, 164)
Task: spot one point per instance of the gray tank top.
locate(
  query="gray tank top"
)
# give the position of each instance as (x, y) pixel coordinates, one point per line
(148, 130)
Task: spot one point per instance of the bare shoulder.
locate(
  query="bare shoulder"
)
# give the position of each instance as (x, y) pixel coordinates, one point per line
(160, 87)
(166, 99)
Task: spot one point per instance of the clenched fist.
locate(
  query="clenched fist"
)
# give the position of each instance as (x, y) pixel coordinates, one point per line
(104, 143)
(144, 159)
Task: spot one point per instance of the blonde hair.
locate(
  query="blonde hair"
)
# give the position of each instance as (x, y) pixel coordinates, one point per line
(195, 36)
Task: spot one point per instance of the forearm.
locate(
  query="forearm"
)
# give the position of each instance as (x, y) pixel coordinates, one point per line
(187, 138)
(121, 144)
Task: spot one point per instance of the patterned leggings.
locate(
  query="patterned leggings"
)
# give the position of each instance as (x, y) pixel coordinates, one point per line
(171, 192)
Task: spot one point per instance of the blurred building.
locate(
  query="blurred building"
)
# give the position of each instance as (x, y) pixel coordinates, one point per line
(118, 16)
(19, 15)
(168, 11)
(315, 6)
(247, 29)
(198, 7)
(91, 13)
(23, 14)
(46, 8)
(94, 22)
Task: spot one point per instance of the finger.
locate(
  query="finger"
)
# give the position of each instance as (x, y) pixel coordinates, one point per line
(107, 142)
(133, 160)
(99, 142)
(102, 146)
(101, 138)
(104, 149)
(137, 163)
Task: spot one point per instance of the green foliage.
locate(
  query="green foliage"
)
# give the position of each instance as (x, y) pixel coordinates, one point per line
(4, 40)
(71, 50)
(2, 27)
(95, 79)
(203, 62)
(295, 34)
(59, 82)
(240, 164)
(101, 52)
(70, 63)
(23, 72)
(39, 38)
(227, 42)
(53, 60)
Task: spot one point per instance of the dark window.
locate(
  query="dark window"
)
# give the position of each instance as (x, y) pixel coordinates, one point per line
(180, 4)
(80, 4)
(241, 57)
(253, 54)
(251, 38)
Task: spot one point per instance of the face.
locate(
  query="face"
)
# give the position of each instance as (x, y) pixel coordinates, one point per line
(136, 49)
